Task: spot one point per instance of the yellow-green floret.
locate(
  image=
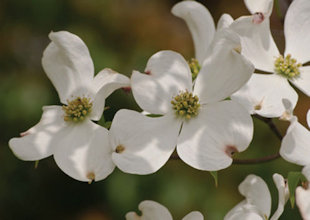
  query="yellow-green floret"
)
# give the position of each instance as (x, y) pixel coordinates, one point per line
(77, 109)
(287, 66)
(186, 105)
(195, 67)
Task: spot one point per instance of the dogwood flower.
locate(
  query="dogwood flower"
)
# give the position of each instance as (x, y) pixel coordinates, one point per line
(257, 203)
(303, 201)
(264, 93)
(206, 128)
(80, 147)
(295, 146)
(154, 211)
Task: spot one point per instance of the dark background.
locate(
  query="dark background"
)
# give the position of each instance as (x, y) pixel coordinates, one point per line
(122, 35)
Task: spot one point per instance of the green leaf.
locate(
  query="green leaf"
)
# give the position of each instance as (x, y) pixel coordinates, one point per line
(104, 123)
(107, 124)
(154, 115)
(101, 121)
(293, 179)
(278, 9)
(303, 178)
(36, 164)
(214, 175)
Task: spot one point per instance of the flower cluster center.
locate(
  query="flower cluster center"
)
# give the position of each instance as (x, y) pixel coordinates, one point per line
(186, 105)
(77, 109)
(195, 67)
(287, 66)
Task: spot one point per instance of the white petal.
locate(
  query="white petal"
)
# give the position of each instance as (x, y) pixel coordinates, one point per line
(244, 216)
(200, 24)
(243, 211)
(206, 141)
(256, 192)
(263, 94)
(289, 108)
(303, 81)
(147, 142)
(225, 21)
(283, 195)
(295, 146)
(225, 70)
(68, 64)
(106, 82)
(167, 74)
(150, 211)
(84, 152)
(257, 42)
(193, 216)
(297, 31)
(308, 118)
(303, 202)
(39, 141)
(306, 172)
(263, 6)
(110, 80)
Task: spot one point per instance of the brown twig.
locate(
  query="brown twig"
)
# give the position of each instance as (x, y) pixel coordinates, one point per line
(257, 160)
(271, 125)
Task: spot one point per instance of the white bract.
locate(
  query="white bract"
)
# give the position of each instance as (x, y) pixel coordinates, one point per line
(263, 94)
(303, 201)
(295, 145)
(206, 128)
(154, 211)
(80, 147)
(200, 23)
(257, 203)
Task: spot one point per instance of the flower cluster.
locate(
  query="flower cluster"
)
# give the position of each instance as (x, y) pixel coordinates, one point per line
(256, 206)
(201, 108)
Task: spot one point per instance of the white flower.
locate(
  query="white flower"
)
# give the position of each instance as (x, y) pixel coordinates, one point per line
(200, 23)
(295, 146)
(303, 201)
(263, 94)
(206, 128)
(257, 203)
(154, 211)
(80, 147)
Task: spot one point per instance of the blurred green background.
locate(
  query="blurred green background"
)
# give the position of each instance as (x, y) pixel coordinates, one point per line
(122, 35)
